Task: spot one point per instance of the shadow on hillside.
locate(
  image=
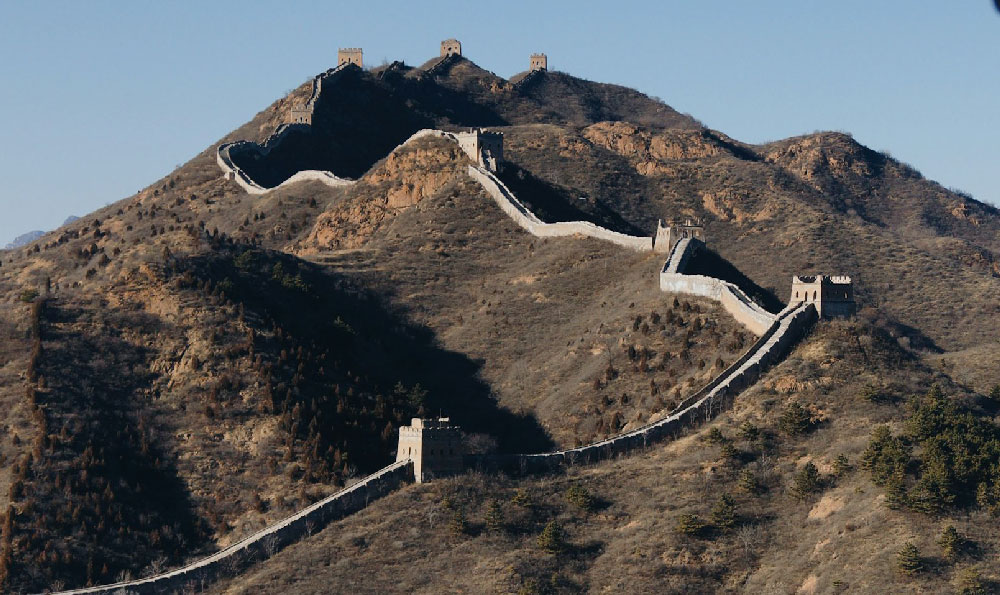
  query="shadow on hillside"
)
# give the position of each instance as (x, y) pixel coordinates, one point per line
(358, 120)
(107, 496)
(737, 150)
(554, 203)
(368, 352)
(708, 262)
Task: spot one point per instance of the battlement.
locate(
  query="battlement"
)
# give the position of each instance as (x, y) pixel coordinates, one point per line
(451, 47)
(350, 56)
(434, 446)
(833, 295)
(538, 62)
(484, 147)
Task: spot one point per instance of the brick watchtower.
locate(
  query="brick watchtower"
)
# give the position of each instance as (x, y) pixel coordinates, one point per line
(434, 446)
(451, 47)
(832, 295)
(349, 56)
(538, 62)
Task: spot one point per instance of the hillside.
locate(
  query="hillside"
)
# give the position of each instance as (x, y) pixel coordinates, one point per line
(218, 360)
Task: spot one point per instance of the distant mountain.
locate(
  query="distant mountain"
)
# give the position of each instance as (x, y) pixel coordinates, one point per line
(25, 238)
(31, 236)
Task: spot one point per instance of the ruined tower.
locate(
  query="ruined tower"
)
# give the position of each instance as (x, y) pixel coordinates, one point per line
(450, 47)
(833, 296)
(485, 148)
(349, 56)
(538, 62)
(434, 446)
(671, 233)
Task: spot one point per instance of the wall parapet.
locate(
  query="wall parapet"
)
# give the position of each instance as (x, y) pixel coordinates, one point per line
(271, 539)
(703, 405)
(528, 221)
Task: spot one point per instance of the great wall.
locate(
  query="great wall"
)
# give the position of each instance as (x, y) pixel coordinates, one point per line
(777, 333)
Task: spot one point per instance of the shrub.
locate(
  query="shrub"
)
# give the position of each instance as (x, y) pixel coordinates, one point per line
(578, 496)
(951, 543)
(551, 538)
(908, 560)
(715, 436)
(795, 419)
(886, 456)
(28, 295)
(749, 483)
(806, 481)
(841, 465)
(724, 513)
(691, 525)
(969, 582)
(521, 498)
(494, 517)
(457, 525)
(749, 432)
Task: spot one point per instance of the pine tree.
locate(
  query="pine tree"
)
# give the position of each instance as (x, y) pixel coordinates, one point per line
(494, 517)
(908, 559)
(724, 513)
(551, 538)
(951, 543)
(806, 481)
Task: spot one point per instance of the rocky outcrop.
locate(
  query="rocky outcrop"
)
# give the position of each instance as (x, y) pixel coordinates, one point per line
(407, 176)
(651, 153)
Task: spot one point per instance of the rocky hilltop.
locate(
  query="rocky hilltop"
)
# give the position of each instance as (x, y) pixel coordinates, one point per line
(194, 362)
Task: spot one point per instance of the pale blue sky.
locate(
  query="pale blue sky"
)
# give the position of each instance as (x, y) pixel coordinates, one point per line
(98, 98)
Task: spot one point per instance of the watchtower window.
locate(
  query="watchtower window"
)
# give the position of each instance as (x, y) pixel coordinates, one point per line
(814, 295)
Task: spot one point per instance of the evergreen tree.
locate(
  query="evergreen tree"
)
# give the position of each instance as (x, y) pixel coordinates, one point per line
(551, 538)
(908, 560)
(494, 517)
(724, 513)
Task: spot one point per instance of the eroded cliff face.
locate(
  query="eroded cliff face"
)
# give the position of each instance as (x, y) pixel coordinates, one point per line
(401, 181)
(651, 152)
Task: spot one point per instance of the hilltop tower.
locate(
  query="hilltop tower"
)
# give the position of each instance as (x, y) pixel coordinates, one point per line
(485, 148)
(671, 233)
(538, 62)
(832, 295)
(434, 446)
(451, 47)
(349, 56)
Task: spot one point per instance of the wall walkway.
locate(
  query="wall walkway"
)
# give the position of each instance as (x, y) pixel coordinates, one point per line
(268, 541)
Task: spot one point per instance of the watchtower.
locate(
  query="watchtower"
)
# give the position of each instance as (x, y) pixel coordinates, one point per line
(485, 148)
(349, 56)
(451, 47)
(832, 295)
(300, 114)
(538, 62)
(671, 233)
(434, 446)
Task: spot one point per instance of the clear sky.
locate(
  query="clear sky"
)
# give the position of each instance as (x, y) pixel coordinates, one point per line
(98, 98)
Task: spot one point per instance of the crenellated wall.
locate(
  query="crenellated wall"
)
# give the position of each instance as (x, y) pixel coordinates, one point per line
(268, 541)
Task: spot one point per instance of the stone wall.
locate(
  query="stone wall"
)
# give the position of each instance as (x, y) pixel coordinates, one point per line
(731, 297)
(787, 328)
(267, 542)
(536, 227)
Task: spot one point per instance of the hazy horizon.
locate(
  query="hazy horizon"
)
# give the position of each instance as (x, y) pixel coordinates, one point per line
(101, 99)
